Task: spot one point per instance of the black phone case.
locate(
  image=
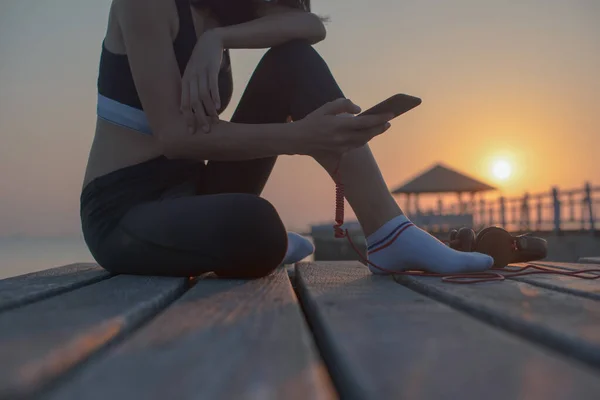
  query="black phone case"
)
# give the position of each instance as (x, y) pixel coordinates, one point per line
(397, 105)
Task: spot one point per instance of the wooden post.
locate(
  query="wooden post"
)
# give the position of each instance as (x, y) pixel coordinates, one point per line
(539, 213)
(556, 203)
(514, 222)
(583, 210)
(503, 212)
(525, 212)
(491, 215)
(481, 213)
(590, 203)
(417, 208)
(408, 210)
(460, 203)
(440, 205)
(571, 207)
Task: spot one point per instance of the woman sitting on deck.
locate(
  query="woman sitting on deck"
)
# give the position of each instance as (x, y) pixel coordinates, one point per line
(172, 190)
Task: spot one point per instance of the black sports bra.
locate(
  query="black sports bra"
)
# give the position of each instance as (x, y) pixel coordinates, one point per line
(118, 99)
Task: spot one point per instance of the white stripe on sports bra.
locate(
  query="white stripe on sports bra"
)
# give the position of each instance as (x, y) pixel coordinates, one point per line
(122, 114)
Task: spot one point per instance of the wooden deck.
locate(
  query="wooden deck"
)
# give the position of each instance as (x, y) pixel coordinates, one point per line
(317, 331)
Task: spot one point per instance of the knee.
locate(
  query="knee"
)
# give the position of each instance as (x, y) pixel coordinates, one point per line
(262, 239)
(293, 54)
(292, 48)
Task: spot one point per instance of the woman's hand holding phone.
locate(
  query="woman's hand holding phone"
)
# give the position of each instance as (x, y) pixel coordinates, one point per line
(335, 129)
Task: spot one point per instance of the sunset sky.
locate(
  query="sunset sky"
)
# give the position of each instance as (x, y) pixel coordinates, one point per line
(500, 80)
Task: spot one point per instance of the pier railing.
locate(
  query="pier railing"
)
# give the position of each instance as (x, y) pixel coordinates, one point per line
(556, 210)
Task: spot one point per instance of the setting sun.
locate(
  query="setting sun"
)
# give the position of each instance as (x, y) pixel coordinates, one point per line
(501, 169)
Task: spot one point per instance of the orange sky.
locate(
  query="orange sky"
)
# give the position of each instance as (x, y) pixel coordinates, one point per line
(498, 79)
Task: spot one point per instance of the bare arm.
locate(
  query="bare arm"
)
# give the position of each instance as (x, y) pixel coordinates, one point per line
(147, 37)
(276, 25)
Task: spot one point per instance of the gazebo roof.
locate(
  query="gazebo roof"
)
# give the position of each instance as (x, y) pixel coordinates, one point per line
(442, 179)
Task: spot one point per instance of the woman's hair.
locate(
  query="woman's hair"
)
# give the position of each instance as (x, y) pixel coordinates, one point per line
(301, 4)
(232, 12)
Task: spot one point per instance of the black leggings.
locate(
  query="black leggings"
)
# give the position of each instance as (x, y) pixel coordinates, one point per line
(183, 218)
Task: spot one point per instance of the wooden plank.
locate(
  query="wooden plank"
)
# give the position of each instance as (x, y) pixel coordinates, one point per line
(589, 260)
(562, 265)
(24, 289)
(567, 284)
(384, 341)
(224, 339)
(565, 323)
(42, 340)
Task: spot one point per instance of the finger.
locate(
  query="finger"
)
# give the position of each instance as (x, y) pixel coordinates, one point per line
(185, 94)
(214, 89)
(207, 103)
(355, 141)
(361, 137)
(190, 121)
(202, 118)
(340, 106)
(376, 131)
(194, 93)
(367, 121)
(186, 108)
(199, 112)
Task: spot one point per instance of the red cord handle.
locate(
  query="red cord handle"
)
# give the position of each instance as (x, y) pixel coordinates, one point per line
(461, 278)
(339, 204)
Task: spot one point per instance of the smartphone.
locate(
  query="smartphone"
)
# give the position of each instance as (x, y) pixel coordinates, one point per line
(397, 105)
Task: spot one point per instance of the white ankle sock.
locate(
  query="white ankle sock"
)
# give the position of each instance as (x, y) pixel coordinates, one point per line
(400, 246)
(298, 249)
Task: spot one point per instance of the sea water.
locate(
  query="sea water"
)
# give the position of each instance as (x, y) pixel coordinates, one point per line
(22, 255)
